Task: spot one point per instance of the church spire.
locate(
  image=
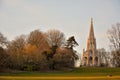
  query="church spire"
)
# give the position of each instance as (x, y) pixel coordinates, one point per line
(91, 43)
(91, 33)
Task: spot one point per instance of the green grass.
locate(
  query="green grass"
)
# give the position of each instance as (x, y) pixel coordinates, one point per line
(75, 72)
(78, 72)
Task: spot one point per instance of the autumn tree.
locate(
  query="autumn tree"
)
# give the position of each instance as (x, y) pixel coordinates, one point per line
(16, 51)
(26, 51)
(35, 60)
(55, 39)
(37, 38)
(64, 59)
(114, 38)
(40, 51)
(36, 45)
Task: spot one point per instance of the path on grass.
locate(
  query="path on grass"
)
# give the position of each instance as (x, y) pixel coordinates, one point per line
(55, 78)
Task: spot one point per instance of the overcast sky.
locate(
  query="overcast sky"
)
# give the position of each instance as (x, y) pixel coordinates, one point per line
(69, 16)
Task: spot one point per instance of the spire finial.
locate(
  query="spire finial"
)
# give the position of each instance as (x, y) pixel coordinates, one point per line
(91, 34)
(91, 20)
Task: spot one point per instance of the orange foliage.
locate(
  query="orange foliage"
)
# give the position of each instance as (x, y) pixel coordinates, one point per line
(30, 48)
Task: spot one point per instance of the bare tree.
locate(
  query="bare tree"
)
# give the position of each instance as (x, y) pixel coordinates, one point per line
(114, 38)
(55, 38)
(104, 57)
(17, 45)
(3, 54)
(37, 38)
(16, 50)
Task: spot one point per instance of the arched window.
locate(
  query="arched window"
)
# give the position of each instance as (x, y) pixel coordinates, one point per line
(90, 61)
(90, 58)
(85, 61)
(96, 61)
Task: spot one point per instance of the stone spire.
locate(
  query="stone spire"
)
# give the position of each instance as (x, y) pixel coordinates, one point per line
(91, 44)
(91, 33)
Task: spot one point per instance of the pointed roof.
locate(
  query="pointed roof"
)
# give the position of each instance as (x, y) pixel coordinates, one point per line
(91, 33)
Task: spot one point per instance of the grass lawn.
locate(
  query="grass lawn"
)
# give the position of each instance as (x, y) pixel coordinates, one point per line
(78, 73)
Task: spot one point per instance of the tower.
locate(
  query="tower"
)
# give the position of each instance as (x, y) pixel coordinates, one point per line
(90, 56)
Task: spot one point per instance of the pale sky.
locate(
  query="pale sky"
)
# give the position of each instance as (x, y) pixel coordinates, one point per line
(69, 16)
